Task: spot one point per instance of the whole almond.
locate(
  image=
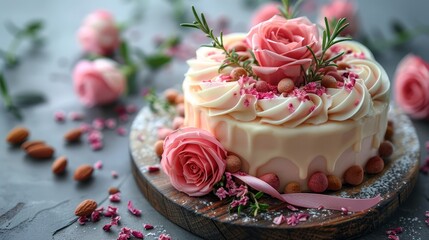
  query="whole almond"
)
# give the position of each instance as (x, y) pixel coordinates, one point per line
(292, 187)
(26, 145)
(83, 172)
(73, 135)
(59, 165)
(85, 208)
(40, 151)
(17, 135)
(113, 190)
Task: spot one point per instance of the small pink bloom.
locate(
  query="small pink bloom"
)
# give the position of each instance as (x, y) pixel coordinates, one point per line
(133, 210)
(194, 160)
(137, 234)
(115, 220)
(98, 164)
(115, 197)
(279, 219)
(265, 12)
(412, 86)
(99, 34)
(292, 220)
(292, 208)
(131, 108)
(107, 227)
(82, 220)
(302, 217)
(337, 9)
(96, 146)
(85, 127)
(60, 116)
(76, 116)
(280, 47)
(164, 236)
(110, 123)
(221, 193)
(393, 237)
(111, 211)
(394, 231)
(125, 233)
(95, 216)
(98, 124)
(98, 82)
(121, 131)
(94, 136)
(147, 226)
(114, 174)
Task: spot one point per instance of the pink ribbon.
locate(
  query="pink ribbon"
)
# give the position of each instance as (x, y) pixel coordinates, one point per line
(310, 200)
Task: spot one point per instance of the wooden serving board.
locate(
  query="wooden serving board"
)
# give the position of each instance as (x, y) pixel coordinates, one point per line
(210, 218)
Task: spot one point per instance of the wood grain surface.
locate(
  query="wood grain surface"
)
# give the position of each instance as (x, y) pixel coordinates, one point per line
(210, 218)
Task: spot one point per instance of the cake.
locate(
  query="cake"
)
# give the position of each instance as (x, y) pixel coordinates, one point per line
(313, 128)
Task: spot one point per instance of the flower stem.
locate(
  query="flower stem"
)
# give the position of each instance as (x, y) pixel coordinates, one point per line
(7, 100)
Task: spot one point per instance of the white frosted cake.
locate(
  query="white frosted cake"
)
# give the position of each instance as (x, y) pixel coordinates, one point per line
(327, 127)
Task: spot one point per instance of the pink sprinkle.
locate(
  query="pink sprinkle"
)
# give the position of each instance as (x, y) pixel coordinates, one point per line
(76, 116)
(292, 208)
(291, 108)
(121, 131)
(94, 136)
(110, 123)
(107, 227)
(82, 220)
(427, 214)
(279, 219)
(246, 103)
(147, 226)
(345, 211)
(137, 234)
(115, 220)
(98, 123)
(96, 146)
(98, 164)
(115, 197)
(164, 236)
(123, 117)
(111, 211)
(356, 103)
(153, 168)
(302, 217)
(85, 127)
(131, 108)
(59, 116)
(114, 174)
(393, 237)
(133, 210)
(292, 220)
(394, 231)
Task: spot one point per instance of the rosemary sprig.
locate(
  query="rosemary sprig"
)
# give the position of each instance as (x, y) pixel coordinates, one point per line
(329, 39)
(257, 207)
(232, 58)
(155, 103)
(7, 98)
(287, 11)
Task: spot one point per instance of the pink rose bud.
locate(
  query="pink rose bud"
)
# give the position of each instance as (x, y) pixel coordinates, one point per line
(99, 34)
(337, 9)
(98, 82)
(280, 47)
(265, 12)
(412, 86)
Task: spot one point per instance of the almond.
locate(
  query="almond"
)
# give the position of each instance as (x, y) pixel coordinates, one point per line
(113, 190)
(85, 208)
(292, 187)
(59, 165)
(26, 145)
(17, 135)
(40, 151)
(83, 172)
(73, 135)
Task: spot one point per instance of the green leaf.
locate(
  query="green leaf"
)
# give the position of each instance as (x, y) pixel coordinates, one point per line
(156, 61)
(33, 28)
(29, 98)
(259, 195)
(3, 86)
(123, 50)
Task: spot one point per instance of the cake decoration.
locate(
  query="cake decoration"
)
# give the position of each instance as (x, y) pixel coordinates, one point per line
(281, 110)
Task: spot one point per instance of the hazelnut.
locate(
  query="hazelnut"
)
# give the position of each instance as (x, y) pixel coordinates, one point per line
(354, 175)
(343, 65)
(285, 85)
(386, 149)
(389, 133)
(329, 81)
(113, 190)
(374, 165)
(171, 95)
(159, 147)
(272, 179)
(233, 163)
(292, 187)
(237, 73)
(262, 86)
(335, 74)
(334, 183)
(318, 182)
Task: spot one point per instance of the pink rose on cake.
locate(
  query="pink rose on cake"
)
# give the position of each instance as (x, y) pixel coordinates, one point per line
(99, 34)
(412, 86)
(280, 47)
(194, 160)
(337, 9)
(98, 82)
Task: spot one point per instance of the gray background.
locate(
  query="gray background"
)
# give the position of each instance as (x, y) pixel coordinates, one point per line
(34, 203)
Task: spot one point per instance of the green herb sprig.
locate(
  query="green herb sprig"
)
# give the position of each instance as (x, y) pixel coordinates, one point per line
(7, 98)
(257, 207)
(156, 104)
(329, 39)
(232, 59)
(288, 11)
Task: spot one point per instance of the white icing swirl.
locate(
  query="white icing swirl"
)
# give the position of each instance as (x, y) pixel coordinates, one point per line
(353, 103)
(291, 112)
(374, 77)
(354, 50)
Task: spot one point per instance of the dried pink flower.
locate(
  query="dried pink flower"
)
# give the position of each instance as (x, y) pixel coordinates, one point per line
(153, 168)
(147, 226)
(95, 216)
(115, 220)
(98, 164)
(96, 146)
(82, 220)
(123, 117)
(394, 231)
(107, 227)
(110, 123)
(59, 116)
(164, 236)
(111, 211)
(131, 108)
(115, 197)
(121, 131)
(302, 217)
(137, 234)
(279, 219)
(98, 123)
(393, 237)
(114, 174)
(345, 211)
(427, 214)
(292, 220)
(76, 116)
(133, 210)
(292, 208)
(94, 136)
(85, 127)
(221, 193)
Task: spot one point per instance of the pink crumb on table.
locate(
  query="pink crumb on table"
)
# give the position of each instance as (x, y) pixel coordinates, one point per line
(98, 123)
(115, 197)
(110, 123)
(121, 131)
(114, 174)
(147, 226)
(98, 164)
(164, 236)
(133, 210)
(76, 116)
(279, 219)
(60, 116)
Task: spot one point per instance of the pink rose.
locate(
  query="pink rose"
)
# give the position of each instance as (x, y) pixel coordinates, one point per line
(194, 160)
(265, 12)
(412, 86)
(341, 9)
(98, 82)
(280, 47)
(99, 34)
